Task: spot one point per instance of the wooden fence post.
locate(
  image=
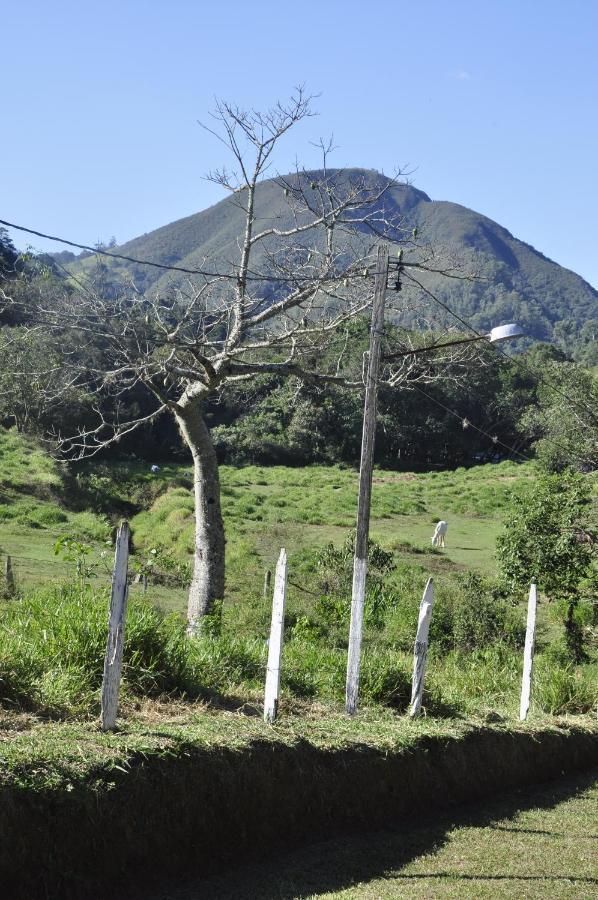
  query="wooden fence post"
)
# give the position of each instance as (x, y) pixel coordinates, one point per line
(528, 653)
(9, 577)
(116, 630)
(276, 638)
(420, 648)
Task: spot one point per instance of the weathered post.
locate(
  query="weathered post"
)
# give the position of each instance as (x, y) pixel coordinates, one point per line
(420, 649)
(116, 630)
(365, 484)
(267, 580)
(528, 653)
(276, 638)
(9, 577)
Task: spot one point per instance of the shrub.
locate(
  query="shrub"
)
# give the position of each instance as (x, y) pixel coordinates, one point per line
(562, 688)
(480, 617)
(52, 645)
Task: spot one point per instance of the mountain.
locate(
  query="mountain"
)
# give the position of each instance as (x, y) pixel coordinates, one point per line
(514, 282)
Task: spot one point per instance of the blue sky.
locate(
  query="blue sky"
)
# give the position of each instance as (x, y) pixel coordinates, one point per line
(488, 104)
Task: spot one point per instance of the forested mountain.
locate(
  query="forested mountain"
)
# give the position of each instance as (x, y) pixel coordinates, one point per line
(514, 282)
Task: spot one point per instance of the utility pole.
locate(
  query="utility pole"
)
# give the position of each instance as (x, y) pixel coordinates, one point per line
(360, 559)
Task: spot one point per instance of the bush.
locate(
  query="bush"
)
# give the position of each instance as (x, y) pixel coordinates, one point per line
(480, 617)
(52, 646)
(559, 688)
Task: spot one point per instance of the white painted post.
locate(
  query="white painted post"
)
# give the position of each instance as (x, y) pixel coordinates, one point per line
(420, 649)
(276, 638)
(528, 653)
(116, 630)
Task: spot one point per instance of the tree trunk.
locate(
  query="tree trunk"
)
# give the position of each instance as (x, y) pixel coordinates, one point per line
(207, 584)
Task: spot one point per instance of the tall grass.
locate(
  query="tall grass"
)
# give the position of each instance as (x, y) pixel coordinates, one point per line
(52, 645)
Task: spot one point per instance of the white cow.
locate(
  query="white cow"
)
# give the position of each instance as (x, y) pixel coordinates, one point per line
(439, 534)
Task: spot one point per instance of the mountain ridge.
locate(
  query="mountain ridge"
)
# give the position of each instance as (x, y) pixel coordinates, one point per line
(517, 282)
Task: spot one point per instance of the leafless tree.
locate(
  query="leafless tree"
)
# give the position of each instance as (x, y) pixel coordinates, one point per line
(286, 295)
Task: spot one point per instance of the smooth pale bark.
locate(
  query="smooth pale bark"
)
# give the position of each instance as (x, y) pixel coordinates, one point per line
(528, 654)
(207, 583)
(276, 638)
(116, 630)
(420, 649)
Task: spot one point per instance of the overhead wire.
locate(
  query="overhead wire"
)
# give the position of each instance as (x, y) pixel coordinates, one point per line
(520, 362)
(469, 424)
(207, 274)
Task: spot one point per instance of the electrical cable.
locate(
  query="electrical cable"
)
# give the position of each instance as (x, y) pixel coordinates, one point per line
(471, 424)
(493, 438)
(514, 359)
(156, 265)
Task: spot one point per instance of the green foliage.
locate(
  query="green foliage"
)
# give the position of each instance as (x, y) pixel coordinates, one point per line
(481, 617)
(562, 420)
(539, 540)
(335, 573)
(540, 544)
(52, 645)
(560, 688)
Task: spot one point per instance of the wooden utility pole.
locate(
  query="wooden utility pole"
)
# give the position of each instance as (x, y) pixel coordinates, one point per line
(116, 630)
(365, 482)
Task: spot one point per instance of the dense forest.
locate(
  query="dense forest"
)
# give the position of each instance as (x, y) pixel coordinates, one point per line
(539, 401)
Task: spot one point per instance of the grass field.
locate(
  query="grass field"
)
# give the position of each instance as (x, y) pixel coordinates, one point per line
(534, 844)
(264, 509)
(54, 664)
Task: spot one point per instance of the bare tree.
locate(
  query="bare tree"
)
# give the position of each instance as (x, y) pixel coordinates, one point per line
(287, 293)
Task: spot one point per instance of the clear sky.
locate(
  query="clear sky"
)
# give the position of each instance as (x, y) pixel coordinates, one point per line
(489, 104)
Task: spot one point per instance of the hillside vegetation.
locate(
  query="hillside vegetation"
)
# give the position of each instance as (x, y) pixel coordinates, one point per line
(52, 638)
(515, 281)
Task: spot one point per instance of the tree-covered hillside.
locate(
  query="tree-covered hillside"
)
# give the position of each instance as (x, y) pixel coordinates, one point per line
(513, 281)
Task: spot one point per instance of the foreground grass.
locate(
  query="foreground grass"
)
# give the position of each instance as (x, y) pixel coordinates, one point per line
(43, 756)
(534, 844)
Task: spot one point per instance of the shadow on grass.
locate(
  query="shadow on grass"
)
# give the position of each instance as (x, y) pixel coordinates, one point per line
(346, 862)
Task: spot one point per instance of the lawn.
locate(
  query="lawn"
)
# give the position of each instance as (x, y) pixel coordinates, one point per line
(265, 508)
(538, 843)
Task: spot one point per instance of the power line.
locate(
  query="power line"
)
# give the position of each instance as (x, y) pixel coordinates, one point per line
(233, 277)
(471, 424)
(156, 265)
(493, 437)
(101, 252)
(519, 362)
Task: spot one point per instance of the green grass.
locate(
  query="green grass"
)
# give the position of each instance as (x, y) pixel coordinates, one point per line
(301, 509)
(534, 844)
(264, 509)
(54, 669)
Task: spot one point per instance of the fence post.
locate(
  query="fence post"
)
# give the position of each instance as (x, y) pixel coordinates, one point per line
(9, 577)
(420, 648)
(116, 630)
(276, 638)
(528, 653)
